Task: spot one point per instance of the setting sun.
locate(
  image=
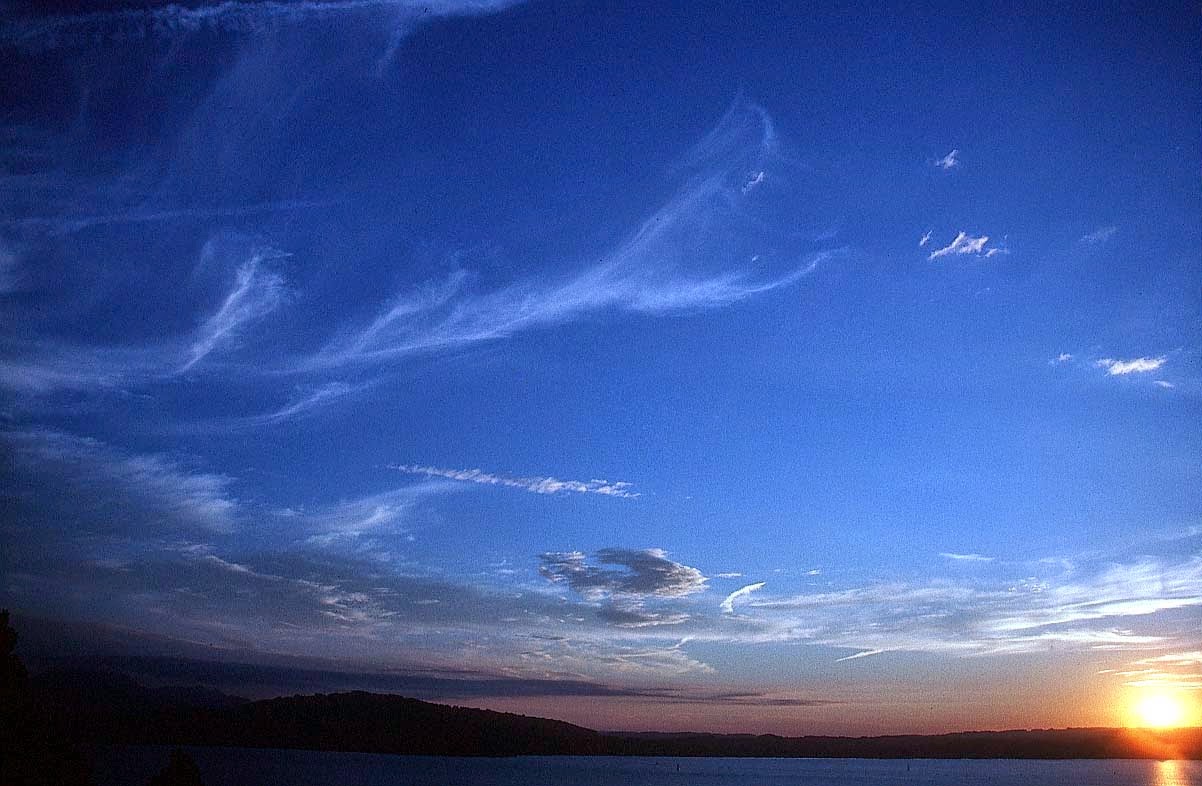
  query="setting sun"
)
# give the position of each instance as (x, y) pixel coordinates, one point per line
(1159, 710)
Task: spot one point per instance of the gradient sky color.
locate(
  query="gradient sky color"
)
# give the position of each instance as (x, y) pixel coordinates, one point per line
(741, 367)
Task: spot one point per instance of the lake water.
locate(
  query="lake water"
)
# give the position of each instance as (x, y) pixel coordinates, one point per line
(263, 767)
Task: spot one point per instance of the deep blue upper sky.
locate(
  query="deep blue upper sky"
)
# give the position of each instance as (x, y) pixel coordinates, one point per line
(689, 354)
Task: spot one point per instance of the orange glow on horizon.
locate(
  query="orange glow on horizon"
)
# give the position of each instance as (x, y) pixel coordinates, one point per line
(1159, 710)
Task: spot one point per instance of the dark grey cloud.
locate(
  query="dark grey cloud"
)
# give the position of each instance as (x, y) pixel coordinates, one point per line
(647, 572)
(638, 618)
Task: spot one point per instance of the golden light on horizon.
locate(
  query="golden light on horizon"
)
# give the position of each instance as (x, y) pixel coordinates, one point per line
(1159, 710)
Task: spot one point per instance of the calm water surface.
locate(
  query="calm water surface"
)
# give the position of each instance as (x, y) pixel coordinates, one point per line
(253, 767)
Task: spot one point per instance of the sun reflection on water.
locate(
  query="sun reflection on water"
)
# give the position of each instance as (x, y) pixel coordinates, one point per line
(1170, 773)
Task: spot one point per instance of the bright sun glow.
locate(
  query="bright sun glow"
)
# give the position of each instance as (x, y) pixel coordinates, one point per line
(1159, 710)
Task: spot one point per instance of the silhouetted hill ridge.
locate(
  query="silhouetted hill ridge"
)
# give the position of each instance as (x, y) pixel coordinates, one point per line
(110, 709)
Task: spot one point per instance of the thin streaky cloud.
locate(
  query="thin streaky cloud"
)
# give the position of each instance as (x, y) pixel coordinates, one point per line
(308, 401)
(70, 224)
(1191, 658)
(1077, 610)
(1161, 383)
(963, 244)
(128, 490)
(536, 485)
(858, 655)
(728, 606)
(41, 368)
(965, 557)
(1140, 365)
(677, 261)
(257, 292)
(926, 238)
(421, 324)
(48, 31)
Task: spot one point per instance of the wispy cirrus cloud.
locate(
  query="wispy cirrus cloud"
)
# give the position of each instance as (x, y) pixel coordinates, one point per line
(39, 369)
(536, 485)
(306, 400)
(1140, 365)
(50, 30)
(111, 488)
(1086, 609)
(256, 292)
(1173, 670)
(70, 224)
(687, 256)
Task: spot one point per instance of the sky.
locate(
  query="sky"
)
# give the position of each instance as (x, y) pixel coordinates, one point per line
(728, 367)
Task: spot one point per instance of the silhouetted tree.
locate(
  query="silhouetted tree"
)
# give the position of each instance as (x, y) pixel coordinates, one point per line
(33, 749)
(181, 770)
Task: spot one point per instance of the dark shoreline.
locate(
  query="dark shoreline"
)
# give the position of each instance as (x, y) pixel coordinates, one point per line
(108, 709)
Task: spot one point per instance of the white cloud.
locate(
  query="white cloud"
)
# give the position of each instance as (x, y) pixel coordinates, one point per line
(1192, 658)
(1139, 365)
(858, 655)
(256, 293)
(679, 260)
(993, 252)
(127, 490)
(963, 244)
(72, 223)
(728, 606)
(753, 181)
(307, 401)
(63, 369)
(950, 161)
(1100, 235)
(1063, 357)
(1160, 383)
(386, 513)
(926, 238)
(1076, 610)
(1172, 670)
(965, 557)
(537, 485)
(232, 15)
(727, 575)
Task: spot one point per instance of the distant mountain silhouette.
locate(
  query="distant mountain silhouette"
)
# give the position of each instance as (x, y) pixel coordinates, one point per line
(104, 708)
(35, 748)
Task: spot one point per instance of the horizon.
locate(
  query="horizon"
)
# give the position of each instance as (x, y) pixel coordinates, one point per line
(744, 370)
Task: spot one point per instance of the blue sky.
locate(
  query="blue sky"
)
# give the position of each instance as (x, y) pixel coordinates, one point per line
(794, 370)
